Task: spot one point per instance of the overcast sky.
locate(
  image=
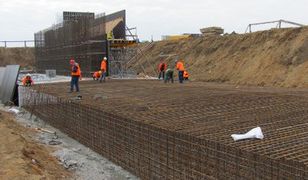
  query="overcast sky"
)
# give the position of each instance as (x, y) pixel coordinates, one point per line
(20, 19)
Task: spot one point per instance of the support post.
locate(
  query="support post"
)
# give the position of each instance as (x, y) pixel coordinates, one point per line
(108, 56)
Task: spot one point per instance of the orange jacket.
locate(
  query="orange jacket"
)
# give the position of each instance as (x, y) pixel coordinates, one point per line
(96, 74)
(180, 66)
(78, 72)
(104, 66)
(185, 75)
(162, 67)
(26, 80)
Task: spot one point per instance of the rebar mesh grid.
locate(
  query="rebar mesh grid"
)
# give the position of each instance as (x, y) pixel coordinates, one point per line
(158, 131)
(80, 36)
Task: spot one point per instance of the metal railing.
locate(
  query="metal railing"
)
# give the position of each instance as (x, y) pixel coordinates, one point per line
(18, 43)
(278, 24)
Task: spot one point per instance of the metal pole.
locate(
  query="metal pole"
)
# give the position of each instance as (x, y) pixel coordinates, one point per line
(5, 44)
(25, 42)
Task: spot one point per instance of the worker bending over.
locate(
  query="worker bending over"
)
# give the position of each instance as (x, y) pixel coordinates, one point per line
(169, 75)
(181, 69)
(185, 75)
(161, 69)
(97, 75)
(27, 80)
(103, 69)
(76, 75)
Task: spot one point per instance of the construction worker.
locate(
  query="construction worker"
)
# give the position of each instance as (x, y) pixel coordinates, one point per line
(76, 75)
(27, 80)
(168, 75)
(185, 75)
(97, 75)
(103, 69)
(161, 69)
(181, 69)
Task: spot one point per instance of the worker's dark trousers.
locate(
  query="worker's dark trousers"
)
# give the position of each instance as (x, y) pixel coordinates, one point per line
(161, 74)
(103, 76)
(168, 77)
(75, 82)
(181, 76)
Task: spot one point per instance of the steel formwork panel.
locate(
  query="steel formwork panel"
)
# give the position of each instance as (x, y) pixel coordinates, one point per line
(80, 36)
(9, 83)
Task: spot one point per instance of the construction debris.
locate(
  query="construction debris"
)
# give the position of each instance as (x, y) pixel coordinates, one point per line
(45, 130)
(212, 31)
(14, 110)
(255, 133)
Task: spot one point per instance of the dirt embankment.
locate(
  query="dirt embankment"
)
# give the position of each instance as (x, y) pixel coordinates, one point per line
(277, 57)
(21, 157)
(21, 56)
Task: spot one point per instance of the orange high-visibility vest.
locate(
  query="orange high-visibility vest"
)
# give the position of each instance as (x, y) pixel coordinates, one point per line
(180, 66)
(104, 66)
(96, 74)
(25, 80)
(162, 67)
(78, 72)
(185, 75)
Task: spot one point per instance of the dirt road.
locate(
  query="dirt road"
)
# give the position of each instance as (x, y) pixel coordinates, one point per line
(23, 158)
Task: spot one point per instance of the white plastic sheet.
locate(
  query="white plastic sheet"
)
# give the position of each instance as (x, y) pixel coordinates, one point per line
(14, 110)
(255, 133)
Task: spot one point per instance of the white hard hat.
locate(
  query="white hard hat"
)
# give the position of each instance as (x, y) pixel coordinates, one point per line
(28, 75)
(105, 58)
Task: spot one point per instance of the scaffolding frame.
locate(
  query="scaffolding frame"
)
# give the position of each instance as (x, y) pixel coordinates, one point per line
(82, 37)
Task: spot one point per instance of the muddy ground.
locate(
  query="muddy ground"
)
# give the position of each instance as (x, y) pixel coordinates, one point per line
(22, 157)
(28, 152)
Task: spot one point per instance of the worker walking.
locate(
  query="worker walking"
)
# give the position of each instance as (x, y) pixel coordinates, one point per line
(168, 75)
(161, 69)
(103, 69)
(185, 75)
(181, 69)
(76, 75)
(27, 80)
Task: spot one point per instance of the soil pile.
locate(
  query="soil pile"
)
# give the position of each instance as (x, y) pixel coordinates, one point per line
(21, 56)
(23, 158)
(278, 57)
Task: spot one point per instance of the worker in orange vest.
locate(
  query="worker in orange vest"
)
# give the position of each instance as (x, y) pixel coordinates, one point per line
(97, 75)
(161, 69)
(181, 69)
(103, 69)
(76, 75)
(185, 75)
(27, 80)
